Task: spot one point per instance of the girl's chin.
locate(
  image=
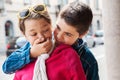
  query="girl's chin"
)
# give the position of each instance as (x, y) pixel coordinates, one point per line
(57, 43)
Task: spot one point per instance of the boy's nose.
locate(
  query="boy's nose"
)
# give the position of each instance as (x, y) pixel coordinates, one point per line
(60, 36)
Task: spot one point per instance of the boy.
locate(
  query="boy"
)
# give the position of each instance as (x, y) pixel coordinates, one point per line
(73, 23)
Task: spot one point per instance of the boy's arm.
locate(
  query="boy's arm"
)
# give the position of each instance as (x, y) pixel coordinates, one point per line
(88, 60)
(93, 72)
(25, 55)
(17, 59)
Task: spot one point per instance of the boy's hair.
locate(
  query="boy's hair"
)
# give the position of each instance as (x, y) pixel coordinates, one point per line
(34, 15)
(78, 15)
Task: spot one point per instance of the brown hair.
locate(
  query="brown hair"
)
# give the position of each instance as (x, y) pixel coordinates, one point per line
(34, 15)
(78, 15)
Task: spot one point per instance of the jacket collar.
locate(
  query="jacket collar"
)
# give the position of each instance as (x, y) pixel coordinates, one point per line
(78, 46)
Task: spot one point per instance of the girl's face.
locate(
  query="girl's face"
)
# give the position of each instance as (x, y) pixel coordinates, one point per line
(65, 33)
(37, 30)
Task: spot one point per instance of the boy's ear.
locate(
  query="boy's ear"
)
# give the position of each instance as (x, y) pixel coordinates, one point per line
(82, 35)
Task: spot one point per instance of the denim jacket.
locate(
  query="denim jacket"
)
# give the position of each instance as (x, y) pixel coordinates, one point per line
(89, 62)
(21, 57)
(17, 59)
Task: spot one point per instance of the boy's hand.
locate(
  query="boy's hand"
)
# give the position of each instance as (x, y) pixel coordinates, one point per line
(40, 47)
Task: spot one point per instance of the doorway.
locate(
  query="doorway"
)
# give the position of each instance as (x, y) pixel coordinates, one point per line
(9, 32)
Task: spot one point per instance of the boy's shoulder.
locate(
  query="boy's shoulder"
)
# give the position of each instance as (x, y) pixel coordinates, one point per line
(86, 55)
(84, 52)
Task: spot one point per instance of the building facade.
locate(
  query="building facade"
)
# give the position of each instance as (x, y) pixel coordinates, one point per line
(10, 8)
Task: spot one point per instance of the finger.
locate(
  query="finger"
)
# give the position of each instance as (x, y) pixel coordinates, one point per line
(36, 41)
(48, 48)
(48, 42)
(41, 40)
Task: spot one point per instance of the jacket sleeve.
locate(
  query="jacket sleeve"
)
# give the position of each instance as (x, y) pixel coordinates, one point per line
(92, 72)
(89, 62)
(17, 59)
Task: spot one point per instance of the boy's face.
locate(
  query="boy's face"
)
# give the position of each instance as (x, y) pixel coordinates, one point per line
(65, 33)
(37, 30)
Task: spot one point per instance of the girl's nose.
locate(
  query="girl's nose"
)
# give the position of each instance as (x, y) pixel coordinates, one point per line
(41, 37)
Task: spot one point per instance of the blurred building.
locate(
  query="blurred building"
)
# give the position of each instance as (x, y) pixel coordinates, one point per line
(9, 21)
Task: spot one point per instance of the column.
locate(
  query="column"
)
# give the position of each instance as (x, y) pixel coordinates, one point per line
(111, 25)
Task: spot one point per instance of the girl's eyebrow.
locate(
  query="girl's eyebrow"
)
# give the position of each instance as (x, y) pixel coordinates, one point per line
(32, 30)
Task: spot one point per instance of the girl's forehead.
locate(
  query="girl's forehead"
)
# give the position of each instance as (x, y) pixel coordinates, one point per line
(40, 20)
(36, 24)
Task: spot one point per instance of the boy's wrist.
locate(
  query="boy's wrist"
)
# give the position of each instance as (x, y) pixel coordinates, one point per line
(32, 54)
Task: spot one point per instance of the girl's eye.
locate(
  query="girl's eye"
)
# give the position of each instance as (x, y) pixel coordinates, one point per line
(46, 31)
(33, 34)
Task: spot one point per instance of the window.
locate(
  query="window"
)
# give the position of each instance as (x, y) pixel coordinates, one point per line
(88, 2)
(47, 2)
(98, 25)
(9, 1)
(27, 2)
(8, 28)
(97, 4)
(1, 5)
(65, 2)
(90, 30)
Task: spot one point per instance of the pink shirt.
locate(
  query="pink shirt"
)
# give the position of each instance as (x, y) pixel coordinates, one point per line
(63, 64)
(26, 73)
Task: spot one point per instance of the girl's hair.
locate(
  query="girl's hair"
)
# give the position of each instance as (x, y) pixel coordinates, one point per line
(78, 15)
(36, 16)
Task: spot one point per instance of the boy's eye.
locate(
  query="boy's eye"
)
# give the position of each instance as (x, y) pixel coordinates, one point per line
(58, 28)
(68, 34)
